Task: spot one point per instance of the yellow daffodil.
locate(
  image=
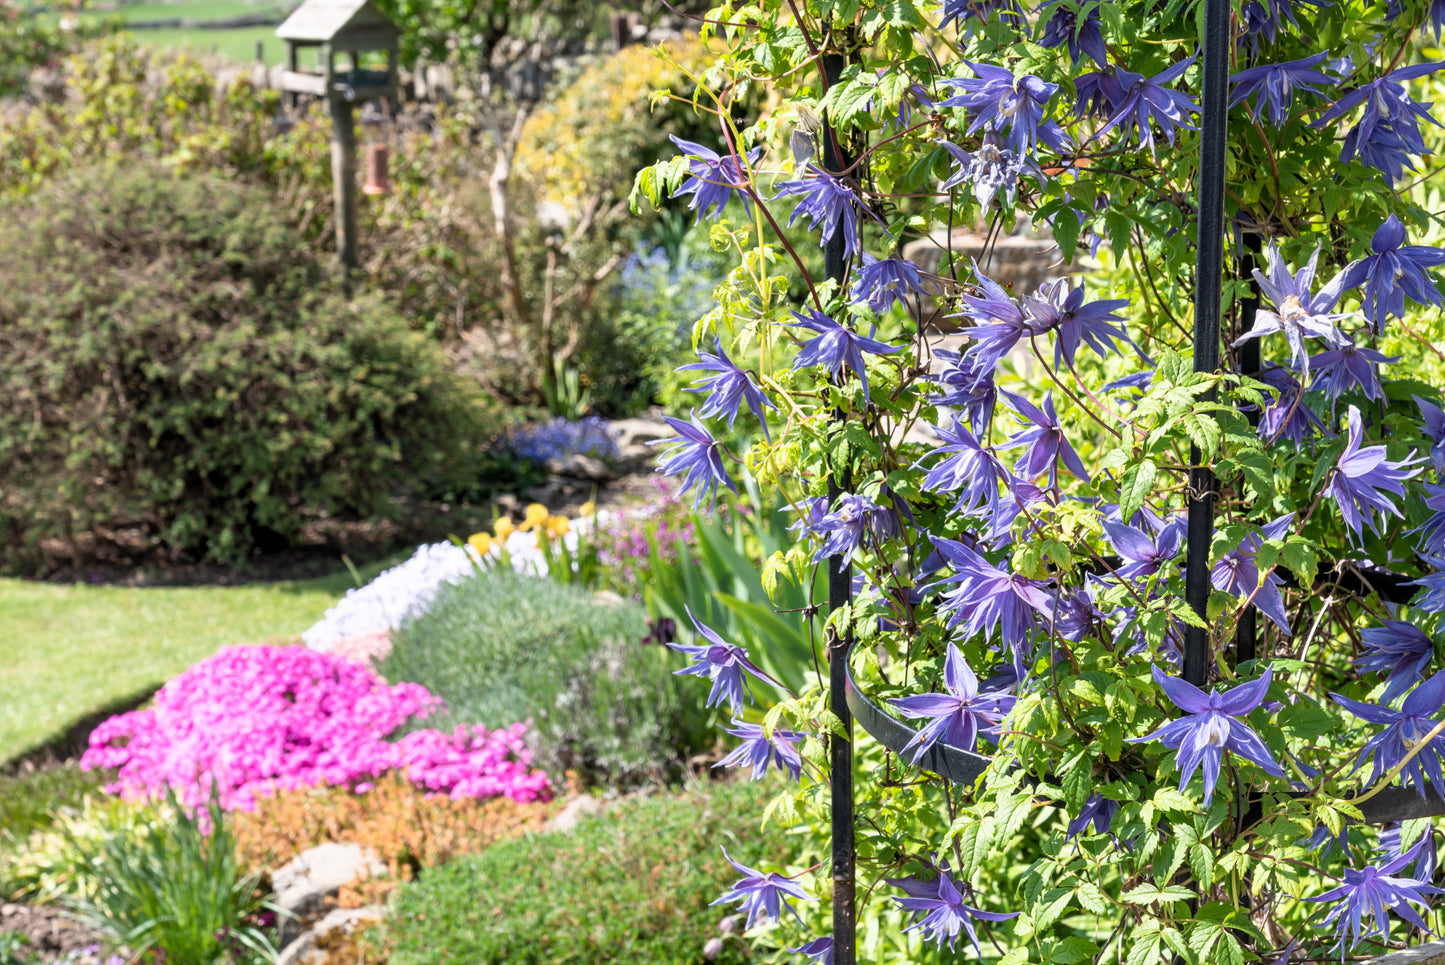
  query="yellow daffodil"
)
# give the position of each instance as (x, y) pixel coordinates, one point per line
(481, 542)
(504, 528)
(536, 515)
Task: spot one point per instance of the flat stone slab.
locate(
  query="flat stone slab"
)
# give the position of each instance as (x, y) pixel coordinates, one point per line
(1432, 953)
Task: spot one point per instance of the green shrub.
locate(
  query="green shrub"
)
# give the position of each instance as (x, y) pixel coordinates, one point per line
(179, 371)
(630, 886)
(500, 648)
(178, 888)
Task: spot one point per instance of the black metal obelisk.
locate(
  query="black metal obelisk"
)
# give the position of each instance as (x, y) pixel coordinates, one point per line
(1208, 282)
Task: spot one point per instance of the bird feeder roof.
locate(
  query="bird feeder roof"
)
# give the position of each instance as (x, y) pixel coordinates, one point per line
(342, 24)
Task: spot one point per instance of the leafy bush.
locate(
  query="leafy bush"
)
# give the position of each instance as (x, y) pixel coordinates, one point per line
(408, 828)
(499, 647)
(630, 886)
(180, 372)
(178, 887)
(254, 719)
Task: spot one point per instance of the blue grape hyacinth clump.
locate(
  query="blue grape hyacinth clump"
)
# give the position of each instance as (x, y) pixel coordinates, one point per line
(591, 436)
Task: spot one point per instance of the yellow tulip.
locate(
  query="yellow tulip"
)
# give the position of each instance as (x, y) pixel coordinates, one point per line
(504, 528)
(536, 515)
(481, 542)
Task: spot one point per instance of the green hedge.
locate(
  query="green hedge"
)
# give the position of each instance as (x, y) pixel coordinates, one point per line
(180, 370)
(632, 885)
(500, 648)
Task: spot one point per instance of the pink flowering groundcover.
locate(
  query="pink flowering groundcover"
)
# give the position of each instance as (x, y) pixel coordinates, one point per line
(255, 719)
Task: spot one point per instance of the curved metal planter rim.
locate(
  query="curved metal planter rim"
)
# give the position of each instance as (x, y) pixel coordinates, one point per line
(964, 767)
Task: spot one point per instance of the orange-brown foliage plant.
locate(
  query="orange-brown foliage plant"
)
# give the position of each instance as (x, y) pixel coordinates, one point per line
(408, 828)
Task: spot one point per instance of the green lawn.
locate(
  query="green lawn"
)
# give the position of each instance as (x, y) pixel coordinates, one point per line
(238, 45)
(68, 651)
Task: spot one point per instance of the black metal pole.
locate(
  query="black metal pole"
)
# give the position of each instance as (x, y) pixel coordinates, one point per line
(1247, 632)
(1208, 281)
(840, 588)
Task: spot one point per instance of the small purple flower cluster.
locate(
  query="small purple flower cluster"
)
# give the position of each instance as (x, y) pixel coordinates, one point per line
(255, 719)
(625, 547)
(589, 436)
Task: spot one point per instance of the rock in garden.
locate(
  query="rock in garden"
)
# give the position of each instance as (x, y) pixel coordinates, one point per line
(311, 947)
(578, 466)
(304, 883)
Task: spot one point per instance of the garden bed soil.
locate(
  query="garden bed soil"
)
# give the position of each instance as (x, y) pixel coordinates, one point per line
(53, 934)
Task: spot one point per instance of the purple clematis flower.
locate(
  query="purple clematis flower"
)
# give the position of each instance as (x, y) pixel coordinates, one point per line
(1387, 103)
(985, 597)
(1399, 650)
(765, 894)
(1144, 554)
(882, 282)
(1147, 102)
(1100, 93)
(1433, 600)
(1287, 416)
(758, 751)
(967, 384)
(728, 389)
(1435, 13)
(697, 454)
(939, 911)
(837, 347)
(1008, 11)
(1350, 367)
(1211, 727)
(1374, 890)
(1432, 423)
(723, 663)
(820, 950)
(988, 170)
(958, 716)
(827, 201)
(1432, 531)
(1098, 811)
(1075, 615)
(842, 529)
(1361, 475)
(998, 321)
(1392, 272)
(1237, 573)
(1075, 23)
(968, 469)
(1422, 853)
(1264, 18)
(1382, 149)
(1275, 85)
(1405, 729)
(713, 179)
(1045, 444)
(1010, 105)
(1060, 309)
(1297, 311)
